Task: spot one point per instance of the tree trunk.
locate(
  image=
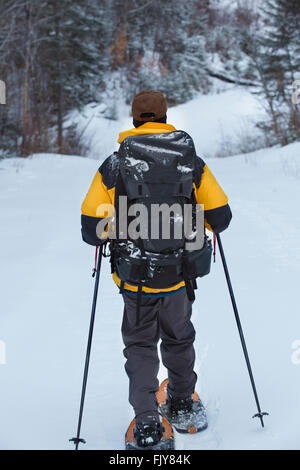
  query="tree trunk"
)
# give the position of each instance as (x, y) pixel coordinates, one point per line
(59, 78)
(25, 147)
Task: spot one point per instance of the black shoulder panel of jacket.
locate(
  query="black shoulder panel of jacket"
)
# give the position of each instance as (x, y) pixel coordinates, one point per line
(110, 170)
(218, 218)
(89, 230)
(199, 168)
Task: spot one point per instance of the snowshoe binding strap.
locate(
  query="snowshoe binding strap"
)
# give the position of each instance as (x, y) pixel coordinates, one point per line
(148, 434)
(180, 405)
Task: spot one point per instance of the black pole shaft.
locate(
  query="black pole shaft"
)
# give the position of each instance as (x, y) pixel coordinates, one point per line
(260, 414)
(77, 439)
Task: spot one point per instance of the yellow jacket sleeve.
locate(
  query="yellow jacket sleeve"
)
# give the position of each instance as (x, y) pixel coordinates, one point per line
(97, 205)
(97, 194)
(209, 193)
(217, 212)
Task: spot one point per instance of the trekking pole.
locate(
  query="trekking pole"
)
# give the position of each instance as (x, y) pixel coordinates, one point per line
(78, 439)
(260, 414)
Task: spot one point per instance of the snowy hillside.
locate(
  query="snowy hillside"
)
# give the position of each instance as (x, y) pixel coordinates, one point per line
(218, 122)
(46, 291)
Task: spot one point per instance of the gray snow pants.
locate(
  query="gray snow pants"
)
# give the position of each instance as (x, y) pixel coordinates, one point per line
(166, 318)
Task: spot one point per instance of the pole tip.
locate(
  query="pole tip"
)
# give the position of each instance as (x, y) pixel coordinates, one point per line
(261, 415)
(77, 440)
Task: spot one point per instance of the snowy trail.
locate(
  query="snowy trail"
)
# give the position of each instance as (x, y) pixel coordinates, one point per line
(46, 292)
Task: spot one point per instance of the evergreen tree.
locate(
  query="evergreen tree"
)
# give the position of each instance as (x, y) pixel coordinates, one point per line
(275, 55)
(59, 55)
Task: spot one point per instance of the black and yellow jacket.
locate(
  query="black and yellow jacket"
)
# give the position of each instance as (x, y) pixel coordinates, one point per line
(102, 191)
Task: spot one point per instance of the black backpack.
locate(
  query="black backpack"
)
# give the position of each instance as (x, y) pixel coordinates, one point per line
(157, 169)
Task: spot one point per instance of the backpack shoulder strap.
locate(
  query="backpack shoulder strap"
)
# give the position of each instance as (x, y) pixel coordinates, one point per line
(110, 169)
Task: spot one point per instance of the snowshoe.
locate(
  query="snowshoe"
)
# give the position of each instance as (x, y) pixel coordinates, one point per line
(186, 415)
(150, 436)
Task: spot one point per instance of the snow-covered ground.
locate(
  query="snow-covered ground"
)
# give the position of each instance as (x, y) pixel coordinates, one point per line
(46, 293)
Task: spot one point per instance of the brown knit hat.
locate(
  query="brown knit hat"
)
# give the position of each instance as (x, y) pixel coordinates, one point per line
(149, 105)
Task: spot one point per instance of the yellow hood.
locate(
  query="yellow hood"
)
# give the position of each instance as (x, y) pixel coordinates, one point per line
(147, 128)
